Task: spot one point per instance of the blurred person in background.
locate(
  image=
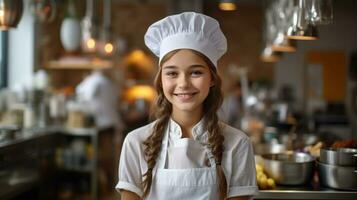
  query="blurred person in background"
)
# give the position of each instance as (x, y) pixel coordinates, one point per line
(231, 110)
(101, 92)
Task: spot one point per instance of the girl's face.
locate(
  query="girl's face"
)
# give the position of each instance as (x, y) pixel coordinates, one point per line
(186, 80)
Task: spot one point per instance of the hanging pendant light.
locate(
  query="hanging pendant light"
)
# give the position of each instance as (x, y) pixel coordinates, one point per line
(44, 10)
(301, 28)
(227, 5)
(10, 13)
(70, 32)
(107, 47)
(89, 29)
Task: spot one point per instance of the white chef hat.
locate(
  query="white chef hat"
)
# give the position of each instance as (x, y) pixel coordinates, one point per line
(188, 30)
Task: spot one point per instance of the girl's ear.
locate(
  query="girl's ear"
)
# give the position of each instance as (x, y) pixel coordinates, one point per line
(212, 83)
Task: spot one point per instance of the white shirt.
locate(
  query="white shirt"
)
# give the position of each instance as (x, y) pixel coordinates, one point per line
(237, 161)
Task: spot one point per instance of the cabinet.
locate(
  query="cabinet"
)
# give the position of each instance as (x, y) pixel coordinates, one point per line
(77, 160)
(27, 167)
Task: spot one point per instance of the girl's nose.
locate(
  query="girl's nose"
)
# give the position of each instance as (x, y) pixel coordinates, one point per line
(184, 81)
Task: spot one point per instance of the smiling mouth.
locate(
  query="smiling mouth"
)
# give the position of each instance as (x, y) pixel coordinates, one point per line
(185, 96)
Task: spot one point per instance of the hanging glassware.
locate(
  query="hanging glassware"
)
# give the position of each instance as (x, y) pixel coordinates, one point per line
(10, 13)
(44, 10)
(270, 31)
(319, 12)
(301, 29)
(281, 17)
(269, 55)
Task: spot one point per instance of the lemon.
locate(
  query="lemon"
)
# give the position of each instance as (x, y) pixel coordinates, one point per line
(271, 183)
(263, 183)
(258, 168)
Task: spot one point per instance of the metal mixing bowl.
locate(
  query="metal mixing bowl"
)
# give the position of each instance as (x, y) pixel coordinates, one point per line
(338, 177)
(339, 156)
(295, 168)
(268, 148)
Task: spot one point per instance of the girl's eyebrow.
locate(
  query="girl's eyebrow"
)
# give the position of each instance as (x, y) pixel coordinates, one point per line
(170, 67)
(191, 66)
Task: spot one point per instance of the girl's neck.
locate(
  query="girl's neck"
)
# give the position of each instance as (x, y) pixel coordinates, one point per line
(187, 120)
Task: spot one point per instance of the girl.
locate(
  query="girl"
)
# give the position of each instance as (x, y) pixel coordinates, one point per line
(187, 153)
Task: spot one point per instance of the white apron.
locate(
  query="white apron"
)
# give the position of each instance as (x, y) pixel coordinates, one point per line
(183, 184)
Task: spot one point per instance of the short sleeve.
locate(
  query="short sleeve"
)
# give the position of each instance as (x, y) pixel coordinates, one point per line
(242, 179)
(130, 170)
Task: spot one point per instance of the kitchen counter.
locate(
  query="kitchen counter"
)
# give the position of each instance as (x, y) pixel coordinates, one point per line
(27, 161)
(305, 192)
(281, 192)
(30, 134)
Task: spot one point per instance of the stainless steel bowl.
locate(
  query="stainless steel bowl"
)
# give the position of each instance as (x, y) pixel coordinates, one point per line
(269, 148)
(289, 168)
(339, 156)
(338, 177)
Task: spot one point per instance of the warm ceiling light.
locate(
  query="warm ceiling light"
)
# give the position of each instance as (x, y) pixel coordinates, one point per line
(136, 92)
(108, 48)
(10, 13)
(90, 43)
(227, 5)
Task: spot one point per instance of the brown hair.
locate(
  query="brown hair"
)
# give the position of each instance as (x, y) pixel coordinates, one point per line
(162, 111)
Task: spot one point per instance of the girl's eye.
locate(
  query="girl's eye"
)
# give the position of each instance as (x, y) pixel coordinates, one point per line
(196, 73)
(171, 74)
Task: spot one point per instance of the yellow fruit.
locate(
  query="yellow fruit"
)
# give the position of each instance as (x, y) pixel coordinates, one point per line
(258, 168)
(271, 183)
(261, 175)
(263, 183)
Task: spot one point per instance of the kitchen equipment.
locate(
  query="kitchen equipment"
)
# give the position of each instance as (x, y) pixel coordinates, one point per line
(268, 148)
(339, 156)
(338, 177)
(10, 13)
(8, 132)
(291, 168)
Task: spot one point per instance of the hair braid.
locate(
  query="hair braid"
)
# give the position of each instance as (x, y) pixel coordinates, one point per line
(162, 108)
(215, 141)
(152, 150)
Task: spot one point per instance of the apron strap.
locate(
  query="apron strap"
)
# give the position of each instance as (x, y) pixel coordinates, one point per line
(163, 152)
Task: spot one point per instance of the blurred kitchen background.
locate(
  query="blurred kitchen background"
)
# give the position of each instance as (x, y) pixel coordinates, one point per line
(289, 79)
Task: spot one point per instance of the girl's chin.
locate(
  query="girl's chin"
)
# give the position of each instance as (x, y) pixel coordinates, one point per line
(185, 108)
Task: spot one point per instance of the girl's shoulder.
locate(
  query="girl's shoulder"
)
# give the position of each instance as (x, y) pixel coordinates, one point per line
(233, 136)
(140, 134)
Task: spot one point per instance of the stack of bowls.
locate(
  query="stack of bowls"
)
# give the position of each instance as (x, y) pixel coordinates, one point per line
(338, 168)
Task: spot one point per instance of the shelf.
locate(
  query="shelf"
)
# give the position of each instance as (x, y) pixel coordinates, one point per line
(78, 63)
(80, 131)
(88, 169)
